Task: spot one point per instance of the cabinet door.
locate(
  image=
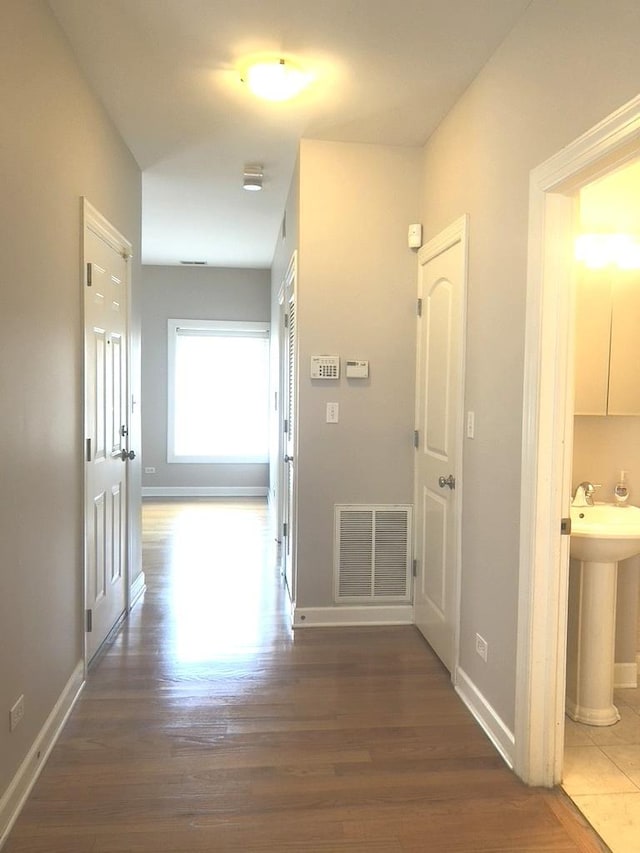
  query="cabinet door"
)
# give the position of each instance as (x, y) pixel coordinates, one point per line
(592, 337)
(624, 368)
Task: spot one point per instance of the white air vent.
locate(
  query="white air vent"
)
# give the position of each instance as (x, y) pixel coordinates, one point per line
(372, 553)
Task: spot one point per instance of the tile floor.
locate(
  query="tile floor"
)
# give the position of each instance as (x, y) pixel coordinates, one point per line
(602, 773)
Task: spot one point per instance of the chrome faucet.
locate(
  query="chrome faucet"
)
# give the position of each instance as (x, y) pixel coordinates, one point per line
(584, 494)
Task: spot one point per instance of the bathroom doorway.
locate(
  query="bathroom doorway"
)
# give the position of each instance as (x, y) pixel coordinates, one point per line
(547, 460)
(602, 739)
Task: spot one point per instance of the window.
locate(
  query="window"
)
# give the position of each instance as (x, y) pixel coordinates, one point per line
(218, 391)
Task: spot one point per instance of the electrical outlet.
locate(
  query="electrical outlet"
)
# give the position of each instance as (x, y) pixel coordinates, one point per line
(150, 470)
(16, 714)
(482, 647)
(333, 413)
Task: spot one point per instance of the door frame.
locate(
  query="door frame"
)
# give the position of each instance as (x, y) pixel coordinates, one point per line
(547, 438)
(92, 219)
(456, 232)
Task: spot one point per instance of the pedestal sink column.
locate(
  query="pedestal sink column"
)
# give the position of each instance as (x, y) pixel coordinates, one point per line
(591, 643)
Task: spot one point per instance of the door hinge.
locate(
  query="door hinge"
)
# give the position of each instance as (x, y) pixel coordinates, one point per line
(286, 321)
(419, 308)
(89, 275)
(285, 530)
(89, 614)
(416, 438)
(285, 427)
(88, 449)
(565, 526)
(415, 568)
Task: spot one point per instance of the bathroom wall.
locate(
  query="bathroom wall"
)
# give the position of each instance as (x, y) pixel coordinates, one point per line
(602, 446)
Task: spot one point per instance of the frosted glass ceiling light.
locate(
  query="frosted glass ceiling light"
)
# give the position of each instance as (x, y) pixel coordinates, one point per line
(252, 178)
(275, 79)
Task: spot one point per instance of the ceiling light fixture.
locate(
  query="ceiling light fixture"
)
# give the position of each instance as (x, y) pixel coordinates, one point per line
(252, 179)
(275, 79)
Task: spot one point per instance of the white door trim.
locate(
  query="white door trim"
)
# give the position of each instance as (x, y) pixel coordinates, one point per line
(547, 438)
(457, 232)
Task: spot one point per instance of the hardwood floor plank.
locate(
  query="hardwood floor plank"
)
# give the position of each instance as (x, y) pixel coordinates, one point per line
(208, 725)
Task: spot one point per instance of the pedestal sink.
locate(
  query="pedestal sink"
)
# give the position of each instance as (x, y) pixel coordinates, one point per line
(601, 535)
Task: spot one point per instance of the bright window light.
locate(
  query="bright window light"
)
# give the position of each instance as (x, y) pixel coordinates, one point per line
(597, 251)
(218, 391)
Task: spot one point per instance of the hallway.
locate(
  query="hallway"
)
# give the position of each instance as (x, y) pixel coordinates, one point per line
(208, 726)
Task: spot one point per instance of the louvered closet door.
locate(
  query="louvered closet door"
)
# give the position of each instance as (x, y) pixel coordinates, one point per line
(290, 445)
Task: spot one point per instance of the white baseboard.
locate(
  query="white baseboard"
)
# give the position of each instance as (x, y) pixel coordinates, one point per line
(322, 617)
(20, 787)
(499, 735)
(136, 589)
(205, 491)
(625, 675)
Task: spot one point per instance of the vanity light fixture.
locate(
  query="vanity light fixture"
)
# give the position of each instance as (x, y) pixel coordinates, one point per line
(252, 178)
(275, 79)
(597, 251)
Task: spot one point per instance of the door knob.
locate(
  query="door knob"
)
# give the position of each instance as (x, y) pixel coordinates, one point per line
(447, 481)
(130, 454)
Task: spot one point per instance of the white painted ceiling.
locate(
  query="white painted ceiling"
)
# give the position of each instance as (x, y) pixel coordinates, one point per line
(386, 72)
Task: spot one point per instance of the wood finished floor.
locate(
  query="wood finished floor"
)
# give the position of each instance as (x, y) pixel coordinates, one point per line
(208, 726)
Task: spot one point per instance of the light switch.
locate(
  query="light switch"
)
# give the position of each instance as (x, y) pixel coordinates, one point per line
(471, 424)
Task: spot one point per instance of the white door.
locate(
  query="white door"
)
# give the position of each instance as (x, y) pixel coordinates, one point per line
(106, 428)
(438, 455)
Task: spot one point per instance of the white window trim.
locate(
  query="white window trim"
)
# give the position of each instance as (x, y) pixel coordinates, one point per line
(241, 328)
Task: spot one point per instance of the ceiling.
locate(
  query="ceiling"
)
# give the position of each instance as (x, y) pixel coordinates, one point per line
(386, 72)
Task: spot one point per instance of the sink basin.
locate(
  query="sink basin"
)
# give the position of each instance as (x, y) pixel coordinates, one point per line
(604, 533)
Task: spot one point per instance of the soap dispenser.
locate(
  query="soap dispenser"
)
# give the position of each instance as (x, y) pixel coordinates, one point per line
(621, 491)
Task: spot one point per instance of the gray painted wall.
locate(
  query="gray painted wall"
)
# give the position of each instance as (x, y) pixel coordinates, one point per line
(564, 67)
(57, 145)
(191, 293)
(357, 299)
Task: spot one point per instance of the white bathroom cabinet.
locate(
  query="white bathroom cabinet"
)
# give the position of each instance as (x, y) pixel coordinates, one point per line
(607, 343)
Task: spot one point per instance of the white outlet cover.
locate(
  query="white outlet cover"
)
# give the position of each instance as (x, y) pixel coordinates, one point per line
(333, 413)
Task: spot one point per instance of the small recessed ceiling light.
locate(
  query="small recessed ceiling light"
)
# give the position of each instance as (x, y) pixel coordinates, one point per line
(275, 79)
(252, 178)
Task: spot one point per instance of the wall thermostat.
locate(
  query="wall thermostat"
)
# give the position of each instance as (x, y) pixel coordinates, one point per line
(325, 366)
(357, 369)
